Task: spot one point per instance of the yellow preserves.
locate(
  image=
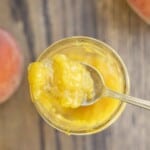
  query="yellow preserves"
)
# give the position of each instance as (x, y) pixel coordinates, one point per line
(69, 83)
(59, 84)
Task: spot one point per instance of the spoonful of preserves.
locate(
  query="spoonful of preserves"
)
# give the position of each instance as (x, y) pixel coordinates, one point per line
(102, 91)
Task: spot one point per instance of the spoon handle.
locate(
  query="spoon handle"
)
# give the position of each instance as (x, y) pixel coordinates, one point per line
(128, 99)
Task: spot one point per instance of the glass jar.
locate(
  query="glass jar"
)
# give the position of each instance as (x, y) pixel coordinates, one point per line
(99, 116)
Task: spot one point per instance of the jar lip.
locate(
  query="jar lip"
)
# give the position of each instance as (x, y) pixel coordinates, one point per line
(122, 105)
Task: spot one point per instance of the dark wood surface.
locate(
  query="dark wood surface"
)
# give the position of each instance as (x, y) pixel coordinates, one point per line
(36, 24)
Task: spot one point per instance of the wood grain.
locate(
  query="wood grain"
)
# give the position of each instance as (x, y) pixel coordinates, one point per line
(35, 25)
(19, 127)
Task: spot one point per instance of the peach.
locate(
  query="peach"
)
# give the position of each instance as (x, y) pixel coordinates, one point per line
(11, 64)
(142, 7)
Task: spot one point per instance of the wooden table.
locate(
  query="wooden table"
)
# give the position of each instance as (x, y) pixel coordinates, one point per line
(36, 24)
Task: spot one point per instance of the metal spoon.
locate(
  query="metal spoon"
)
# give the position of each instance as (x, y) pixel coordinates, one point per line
(102, 91)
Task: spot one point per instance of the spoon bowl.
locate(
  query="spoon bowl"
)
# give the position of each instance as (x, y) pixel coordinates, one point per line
(98, 85)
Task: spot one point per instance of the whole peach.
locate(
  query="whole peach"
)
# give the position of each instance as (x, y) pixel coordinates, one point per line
(142, 8)
(11, 64)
